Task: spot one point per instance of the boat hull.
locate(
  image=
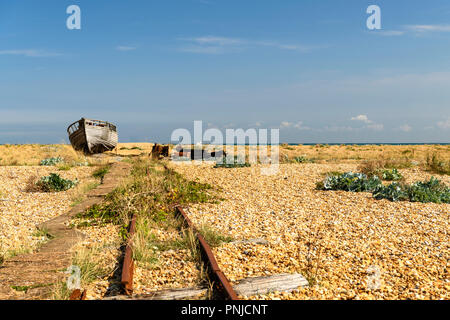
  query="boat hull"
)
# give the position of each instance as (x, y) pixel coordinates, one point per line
(92, 136)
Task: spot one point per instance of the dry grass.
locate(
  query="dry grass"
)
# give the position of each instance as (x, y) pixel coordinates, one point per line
(351, 153)
(32, 154)
(438, 163)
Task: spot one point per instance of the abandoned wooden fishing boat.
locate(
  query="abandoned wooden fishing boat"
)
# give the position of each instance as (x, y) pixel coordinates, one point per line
(92, 136)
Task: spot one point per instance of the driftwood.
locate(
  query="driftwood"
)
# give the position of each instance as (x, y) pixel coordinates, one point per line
(246, 287)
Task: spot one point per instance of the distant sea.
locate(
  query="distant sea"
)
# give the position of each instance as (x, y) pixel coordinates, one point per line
(369, 144)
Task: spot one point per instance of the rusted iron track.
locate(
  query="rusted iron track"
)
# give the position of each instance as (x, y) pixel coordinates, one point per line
(128, 264)
(221, 280)
(78, 295)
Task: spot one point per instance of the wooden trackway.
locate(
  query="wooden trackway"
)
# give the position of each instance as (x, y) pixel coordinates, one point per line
(38, 271)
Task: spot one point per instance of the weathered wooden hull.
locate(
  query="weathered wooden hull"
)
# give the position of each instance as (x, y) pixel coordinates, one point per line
(93, 136)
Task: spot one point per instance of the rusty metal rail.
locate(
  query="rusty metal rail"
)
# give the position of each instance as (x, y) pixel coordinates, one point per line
(78, 295)
(221, 280)
(128, 264)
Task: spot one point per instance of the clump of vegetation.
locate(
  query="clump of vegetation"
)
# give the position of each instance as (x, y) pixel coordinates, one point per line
(91, 263)
(64, 167)
(180, 191)
(54, 183)
(378, 167)
(100, 172)
(371, 167)
(150, 192)
(100, 214)
(42, 233)
(427, 191)
(333, 173)
(213, 237)
(391, 175)
(394, 192)
(287, 146)
(302, 159)
(237, 162)
(51, 161)
(132, 148)
(437, 165)
(60, 291)
(349, 181)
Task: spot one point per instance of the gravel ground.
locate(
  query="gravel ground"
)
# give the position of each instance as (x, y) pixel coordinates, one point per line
(21, 211)
(348, 245)
(174, 268)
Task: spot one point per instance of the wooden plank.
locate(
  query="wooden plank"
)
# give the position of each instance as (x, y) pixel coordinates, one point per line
(251, 241)
(173, 294)
(264, 285)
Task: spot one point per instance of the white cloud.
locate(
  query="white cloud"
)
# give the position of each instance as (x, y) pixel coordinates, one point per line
(428, 28)
(418, 29)
(216, 45)
(203, 49)
(212, 40)
(338, 128)
(376, 126)
(444, 124)
(285, 124)
(361, 117)
(125, 48)
(405, 128)
(299, 125)
(389, 33)
(29, 53)
(281, 46)
(370, 124)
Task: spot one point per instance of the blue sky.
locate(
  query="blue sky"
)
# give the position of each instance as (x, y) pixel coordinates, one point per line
(310, 68)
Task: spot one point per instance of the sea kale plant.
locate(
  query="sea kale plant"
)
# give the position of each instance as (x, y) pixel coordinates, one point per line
(394, 192)
(349, 181)
(51, 161)
(54, 182)
(429, 191)
(391, 175)
(432, 190)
